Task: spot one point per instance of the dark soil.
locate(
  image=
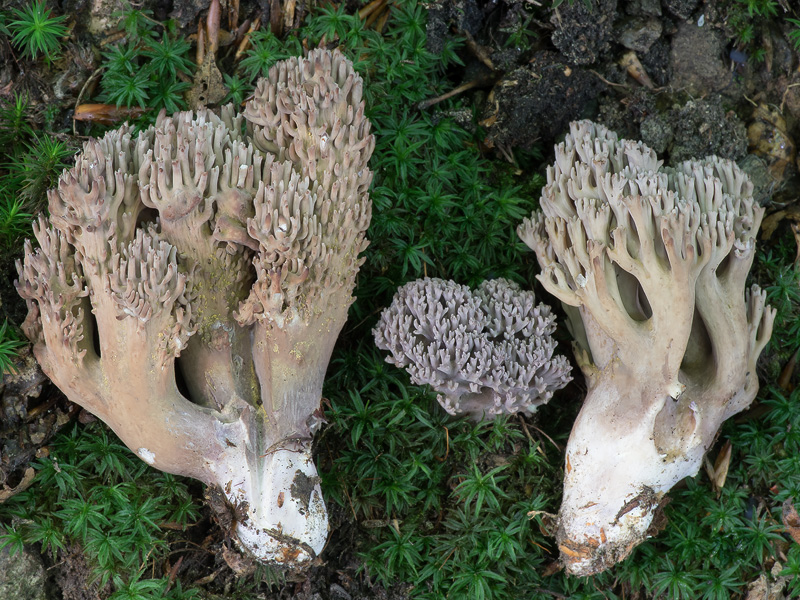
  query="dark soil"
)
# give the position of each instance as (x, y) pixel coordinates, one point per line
(691, 93)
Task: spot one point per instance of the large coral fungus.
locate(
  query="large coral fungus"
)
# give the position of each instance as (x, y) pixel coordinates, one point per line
(192, 280)
(487, 352)
(651, 264)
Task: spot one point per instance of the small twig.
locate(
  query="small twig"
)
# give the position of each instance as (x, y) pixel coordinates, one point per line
(606, 81)
(40, 408)
(753, 102)
(374, 16)
(233, 14)
(525, 430)
(80, 96)
(245, 43)
(447, 445)
(239, 33)
(151, 19)
(375, 523)
(350, 502)
(382, 21)
(172, 525)
(454, 92)
(173, 572)
(530, 437)
(476, 49)
(113, 38)
(373, 6)
(547, 436)
(447, 558)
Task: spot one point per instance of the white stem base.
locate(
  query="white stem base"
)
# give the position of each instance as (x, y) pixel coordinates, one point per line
(287, 522)
(616, 476)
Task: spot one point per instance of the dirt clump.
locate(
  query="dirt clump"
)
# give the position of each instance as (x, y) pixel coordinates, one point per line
(538, 101)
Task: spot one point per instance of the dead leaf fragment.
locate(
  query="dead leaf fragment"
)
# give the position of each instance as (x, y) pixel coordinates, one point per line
(718, 473)
(769, 586)
(791, 520)
(173, 572)
(27, 480)
(107, 114)
(553, 568)
(208, 87)
(242, 565)
(660, 520)
(769, 138)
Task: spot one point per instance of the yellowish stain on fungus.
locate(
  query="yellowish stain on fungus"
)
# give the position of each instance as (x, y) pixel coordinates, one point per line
(299, 350)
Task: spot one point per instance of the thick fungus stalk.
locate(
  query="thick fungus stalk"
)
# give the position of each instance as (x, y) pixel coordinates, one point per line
(651, 264)
(219, 252)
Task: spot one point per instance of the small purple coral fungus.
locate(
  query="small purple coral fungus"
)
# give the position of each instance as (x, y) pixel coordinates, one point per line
(487, 352)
